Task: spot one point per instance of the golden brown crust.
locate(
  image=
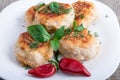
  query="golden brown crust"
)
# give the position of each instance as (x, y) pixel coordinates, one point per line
(81, 46)
(52, 21)
(25, 39)
(50, 14)
(44, 16)
(84, 12)
(82, 39)
(30, 13)
(32, 56)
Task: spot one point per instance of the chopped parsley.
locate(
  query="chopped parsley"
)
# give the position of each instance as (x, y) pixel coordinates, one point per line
(106, 16)
(55, 7)
(78, 28)
(34, 45)
(96, 34)
(39, 6)
(27, 67)
(81, 16)
(68, 31)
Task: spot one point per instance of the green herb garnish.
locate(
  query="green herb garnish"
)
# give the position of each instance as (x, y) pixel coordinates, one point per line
(89, 32)
(56, 37)
(56, 8)
(39, 6)
(39, 33)
(56, 56)
(75, 33)
(27, 67)
(81, 16)
(78, 28)
(68, 31)
(34, 45)
(54, 44)
(59, 33)
(65, 11)
(106, 16)
(74, 25)
(45, 10)
(96, 34)
(54, 63)
(81, 35)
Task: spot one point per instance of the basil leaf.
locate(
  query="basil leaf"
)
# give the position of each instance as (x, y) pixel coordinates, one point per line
(80, 28)
(59, 33)
(55, 44)
(56, 37)
(74, 25)
(54, 6)
(34, 45)
(66, 11)
(39, 6)
(39, 33)
(68, 31)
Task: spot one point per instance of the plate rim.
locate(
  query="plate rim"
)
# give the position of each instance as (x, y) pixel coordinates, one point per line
(90, 0)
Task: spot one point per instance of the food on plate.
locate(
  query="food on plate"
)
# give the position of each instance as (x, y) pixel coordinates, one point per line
(43, 71)
(32, 57)
(73, 67)
(66, 65)
(30, 14)
(85, 12)
(79, 44)
(52, 16)
(57, 27)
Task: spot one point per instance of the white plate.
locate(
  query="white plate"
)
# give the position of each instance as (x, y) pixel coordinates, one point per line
(101, 67)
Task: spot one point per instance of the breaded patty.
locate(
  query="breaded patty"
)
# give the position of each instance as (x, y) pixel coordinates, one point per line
(85, 12)
(51, 20)
(32, 57)
(30, 16)
(80, 46)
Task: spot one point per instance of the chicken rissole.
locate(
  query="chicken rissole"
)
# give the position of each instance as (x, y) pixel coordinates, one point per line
(79, 45)
(85, 13)
(32, 57)
(52, 16)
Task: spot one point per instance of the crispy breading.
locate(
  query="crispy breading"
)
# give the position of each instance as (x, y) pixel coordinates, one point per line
(80, 46)
(30, 16)
(50, 20)
(85, 12)
(32, 57)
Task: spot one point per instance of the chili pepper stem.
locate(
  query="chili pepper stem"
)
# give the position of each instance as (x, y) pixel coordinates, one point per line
(54, 63)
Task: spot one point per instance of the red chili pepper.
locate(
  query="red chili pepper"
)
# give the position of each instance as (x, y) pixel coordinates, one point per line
(72, 66)
(43, 71)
